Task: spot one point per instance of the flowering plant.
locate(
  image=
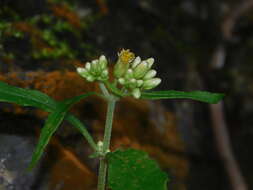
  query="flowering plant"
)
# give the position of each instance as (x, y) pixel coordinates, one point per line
(131, 73)
(131, 76)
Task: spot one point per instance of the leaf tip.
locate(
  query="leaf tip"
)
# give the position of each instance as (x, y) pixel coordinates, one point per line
(218, 98)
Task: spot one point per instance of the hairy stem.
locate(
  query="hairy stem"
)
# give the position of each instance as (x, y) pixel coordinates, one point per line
(106, 142)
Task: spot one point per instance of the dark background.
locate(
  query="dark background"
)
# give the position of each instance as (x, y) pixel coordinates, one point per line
(197, 45)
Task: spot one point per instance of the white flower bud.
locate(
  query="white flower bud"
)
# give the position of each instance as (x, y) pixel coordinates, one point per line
(136, 62)
(150, 74)
(102, 62)
(136, 93)
(151, 83)
(104, 75)
(150, 62)
(139, 83)
(132, 83)
(129, 74)
(90, 78)
(100, 145)
(140, 70)
(102, 58)
(132, 80)
(81, 70)
(95, 66)
(122, 81)
(88, 66)
(105, 72)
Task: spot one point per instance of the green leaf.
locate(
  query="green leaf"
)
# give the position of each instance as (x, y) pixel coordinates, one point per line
(133, 170)
(34, 98)
(26, 97)
(51, 125)
(202, 96)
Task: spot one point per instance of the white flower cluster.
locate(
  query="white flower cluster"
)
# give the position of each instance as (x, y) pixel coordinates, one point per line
(139, 76)
(133, 74)
(96, 70)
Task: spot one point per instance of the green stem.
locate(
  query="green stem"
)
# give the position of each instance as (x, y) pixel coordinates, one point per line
(108, 124)
(104, 90)
(102, 174)
(114, 89)
(106, 142)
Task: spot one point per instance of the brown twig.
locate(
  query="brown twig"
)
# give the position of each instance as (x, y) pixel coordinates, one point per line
(231, 18)
(224, 147)
(216, 111)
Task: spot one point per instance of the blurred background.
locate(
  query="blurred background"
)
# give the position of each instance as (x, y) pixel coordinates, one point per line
(197, 45)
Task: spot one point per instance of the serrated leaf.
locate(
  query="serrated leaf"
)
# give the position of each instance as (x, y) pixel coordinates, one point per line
(51, 125)
(133, 170)
(202, 96)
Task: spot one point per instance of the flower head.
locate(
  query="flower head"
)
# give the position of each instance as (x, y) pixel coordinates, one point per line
(125, 57)
(95, 70)
(131, 73)
(138, 76)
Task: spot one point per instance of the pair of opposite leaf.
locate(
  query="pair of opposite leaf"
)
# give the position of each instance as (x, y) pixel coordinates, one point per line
(132, 77)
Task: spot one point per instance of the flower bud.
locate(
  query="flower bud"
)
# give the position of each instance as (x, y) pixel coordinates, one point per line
(102, 62)
(96, 70)
(150, 62)
(104, 75)
(136, 62)
(88, 66)
(151, 83)
(136, 93)
(139, 83)
(100, 145)
(132, 83)
(95, 66)
(121, 81)
(90, 78)
(129, 74)
(82, 71)
(140, 70)
(150, 74)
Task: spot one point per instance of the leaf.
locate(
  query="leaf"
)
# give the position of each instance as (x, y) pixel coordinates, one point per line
(133, 170)
(202, 96)
(26, 97)
(82, 129)
(52, 123)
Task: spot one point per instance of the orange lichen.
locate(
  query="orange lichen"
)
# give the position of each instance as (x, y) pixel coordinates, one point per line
(102, 6)
(69, 171)
(63, 11)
